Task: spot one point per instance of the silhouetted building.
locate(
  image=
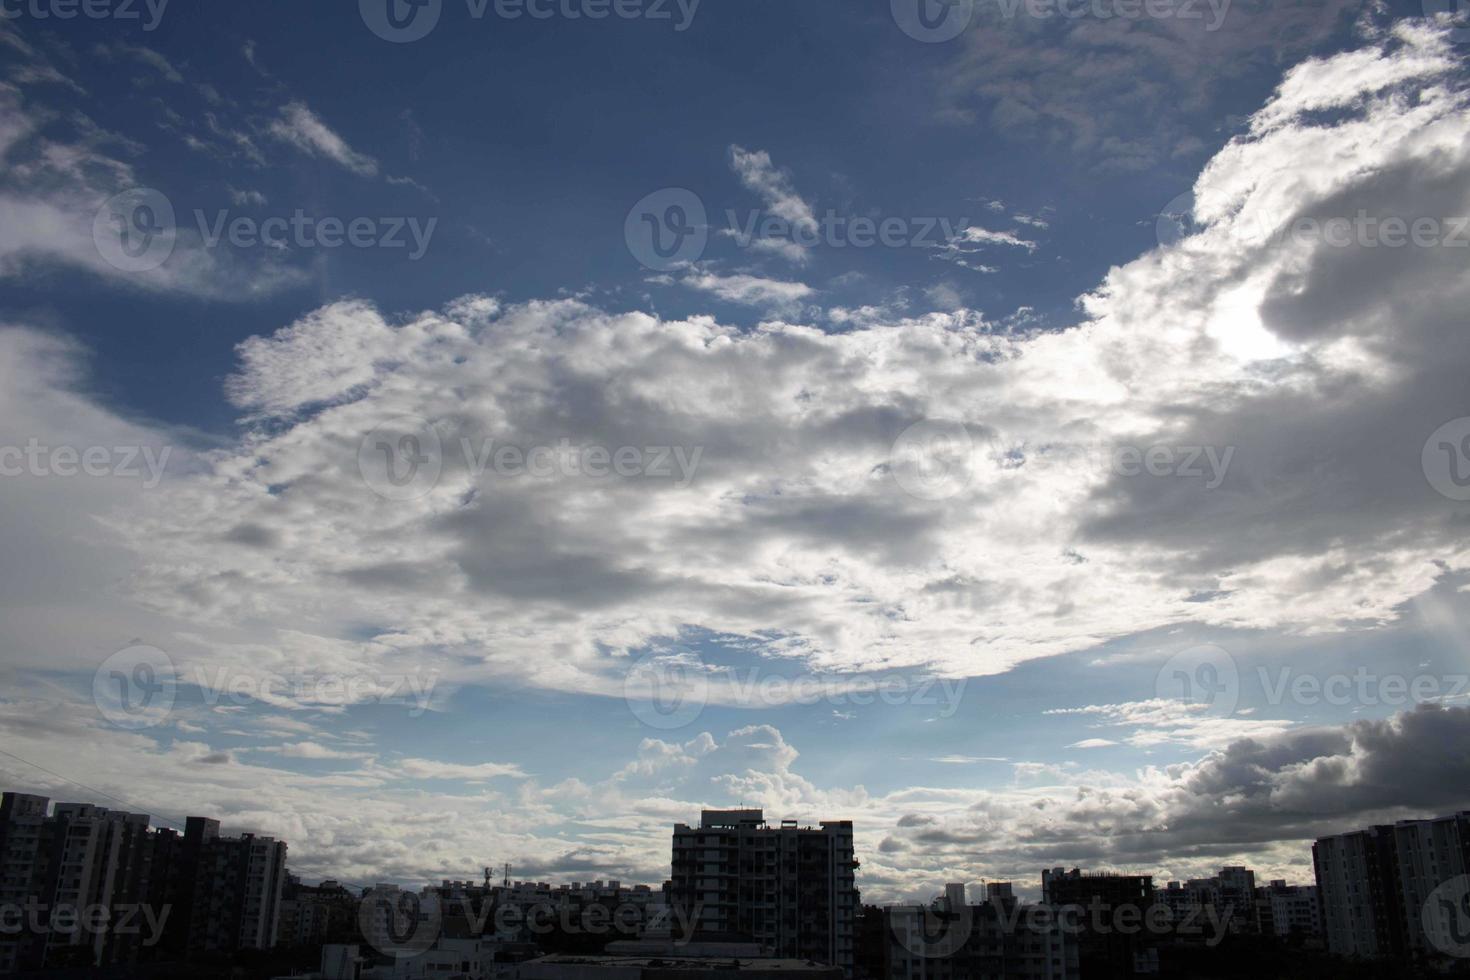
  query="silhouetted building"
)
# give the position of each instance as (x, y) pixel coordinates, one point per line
(1111, 914)
(237, 892)
(607, 911)
(1001, 939)
(870, 944)
(97, 887)
(70, 878)
(1226, 901)
(789, 888)
(312, 915)
(1357, 884)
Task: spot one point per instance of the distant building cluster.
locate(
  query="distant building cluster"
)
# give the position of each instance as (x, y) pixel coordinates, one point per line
(524, 909)
(82, 886)
(953, 940)
(1278, 909)
(1289, 911)
(312, 915)
(1086, 925)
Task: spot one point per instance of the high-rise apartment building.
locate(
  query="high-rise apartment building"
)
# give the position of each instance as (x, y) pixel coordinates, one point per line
(1357, 886)
(237, 892)
(1431, 853)
(64, 880)
(787, 887)
(1375, 885)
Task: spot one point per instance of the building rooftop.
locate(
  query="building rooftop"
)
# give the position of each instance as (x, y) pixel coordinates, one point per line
(682, 963)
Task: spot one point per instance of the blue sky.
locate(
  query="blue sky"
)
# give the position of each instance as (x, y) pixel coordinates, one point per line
(918, 463)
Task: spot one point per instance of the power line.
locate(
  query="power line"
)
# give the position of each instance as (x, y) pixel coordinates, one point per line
(163, 818)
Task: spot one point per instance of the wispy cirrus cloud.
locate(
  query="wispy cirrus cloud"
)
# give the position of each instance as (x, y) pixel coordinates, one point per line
(299, 126)
(1036, 79)
(1161, 721)
(60, 175)
(748, 289)
(781, 200)
(983, 236)
(467, 773)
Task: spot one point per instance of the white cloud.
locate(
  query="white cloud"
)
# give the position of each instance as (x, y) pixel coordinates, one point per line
(1324, 368)
(312, 750)
(747, 289)
(1161, 721)
(784, 248)
(321, 358)
(145, 55)
(982, 236)
(1037, 79)
(56, 180)
(796, 515)
(475, 773)
(1251, 801)
(759, 174)
(781, 200)
(302, 128)
(1341, 81)
(246, 198)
